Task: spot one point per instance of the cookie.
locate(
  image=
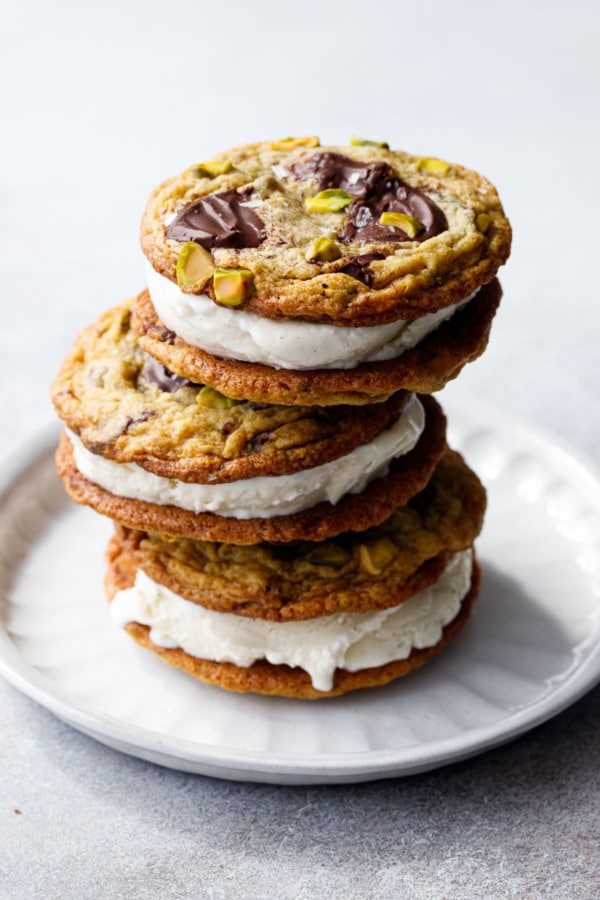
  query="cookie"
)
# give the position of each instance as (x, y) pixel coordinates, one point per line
(355, 573)
(312, 659)
(124, 406)
(407, 475)
(426, 367)
(357, 235)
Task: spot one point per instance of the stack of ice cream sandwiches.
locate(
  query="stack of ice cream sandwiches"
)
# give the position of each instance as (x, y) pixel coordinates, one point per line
(259, 422)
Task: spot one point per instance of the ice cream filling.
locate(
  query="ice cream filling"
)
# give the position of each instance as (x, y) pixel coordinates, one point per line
(264, 496)
(350, 641)
(287, 344)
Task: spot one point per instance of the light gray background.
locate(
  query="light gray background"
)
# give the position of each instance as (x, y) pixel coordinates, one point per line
(99, 102)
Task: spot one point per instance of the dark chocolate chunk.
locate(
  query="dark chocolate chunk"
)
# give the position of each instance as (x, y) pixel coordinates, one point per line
(163, 334)
(358, 267)
(131, 421)
(159, 376)
(332, 170)
(218, 220)
(376, 190)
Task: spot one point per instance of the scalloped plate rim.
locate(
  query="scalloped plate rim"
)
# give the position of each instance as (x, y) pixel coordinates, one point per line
(287, 768)
(251, 765)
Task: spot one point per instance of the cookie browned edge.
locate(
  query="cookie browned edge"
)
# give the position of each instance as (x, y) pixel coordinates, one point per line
(263, 677)
(122, 554)
(354, 512)
(426, 368)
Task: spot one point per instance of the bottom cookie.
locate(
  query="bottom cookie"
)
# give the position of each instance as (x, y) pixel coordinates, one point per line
(279, 679)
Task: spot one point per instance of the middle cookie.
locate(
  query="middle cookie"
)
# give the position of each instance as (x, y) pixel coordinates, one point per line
(157, 452)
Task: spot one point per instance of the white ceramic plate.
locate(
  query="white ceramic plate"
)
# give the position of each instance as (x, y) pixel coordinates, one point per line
(530, 649)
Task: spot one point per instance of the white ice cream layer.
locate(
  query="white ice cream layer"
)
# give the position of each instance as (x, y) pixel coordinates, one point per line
(350, 641)
(286, 344)
(264, 496)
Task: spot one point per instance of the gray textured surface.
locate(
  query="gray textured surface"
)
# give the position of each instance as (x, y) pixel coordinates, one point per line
(100, 103)
(520, 821)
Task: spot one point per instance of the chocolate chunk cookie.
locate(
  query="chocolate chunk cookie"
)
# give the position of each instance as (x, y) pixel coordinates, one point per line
(357, 572)
(127, 407)
(263, 677)
(349, 236)
(408, 474)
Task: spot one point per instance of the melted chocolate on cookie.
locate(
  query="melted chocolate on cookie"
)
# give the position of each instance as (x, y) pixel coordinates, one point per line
(376, 189)
(358, 267)
(218, 220)
(159, 376)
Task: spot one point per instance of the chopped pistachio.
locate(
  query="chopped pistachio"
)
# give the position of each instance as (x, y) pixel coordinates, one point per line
(194, 266)
(375, 557)
(210, 169)
(231, 285)
(332, 200)
(363, 142)
(323, 250)
(328, 554)
(483, 222)
(211, 398)
(406, 223)
(433, 165)
(291, 143)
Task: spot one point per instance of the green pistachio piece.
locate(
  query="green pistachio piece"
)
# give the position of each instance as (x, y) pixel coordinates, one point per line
(210, 169)
(323, 250)
(363, 142)
(375, 557)
(433, 165)
(329, 554)
(231, 286)
(406, 223)
(291, 143)
(207, 396)
(483, 222)
(332, 200)
(194, 266)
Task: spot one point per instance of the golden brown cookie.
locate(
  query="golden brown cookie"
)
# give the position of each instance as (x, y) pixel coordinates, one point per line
(428, 367)
(355, 573)
(408, 475)
(355, 235)
(126, 407)
(263, 677)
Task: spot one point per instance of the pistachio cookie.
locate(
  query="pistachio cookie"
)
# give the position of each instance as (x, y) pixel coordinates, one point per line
(342, 236)
(352, 493)
(295, 681)
(425, 367)
(258, 423)
(308, 620)
(357, 572)
(126, 407)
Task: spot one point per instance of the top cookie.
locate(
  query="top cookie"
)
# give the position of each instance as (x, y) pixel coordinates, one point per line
(349, 236)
